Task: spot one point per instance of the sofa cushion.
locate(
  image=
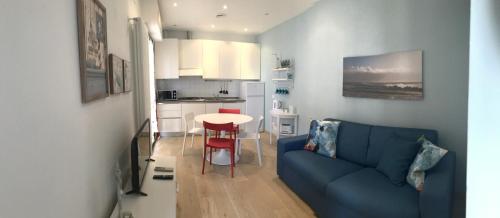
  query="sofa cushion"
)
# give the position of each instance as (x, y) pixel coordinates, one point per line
(371, 194)
(352, 142)
(426, 159)
(397, 157)
(319, 170)
(322, 137)
(379, 135)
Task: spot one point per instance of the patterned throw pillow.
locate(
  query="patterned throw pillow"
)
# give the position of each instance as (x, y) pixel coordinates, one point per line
(322, 137)
(428, 156)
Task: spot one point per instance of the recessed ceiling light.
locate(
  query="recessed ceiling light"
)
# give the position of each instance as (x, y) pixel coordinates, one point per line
(213, 26)
(175, 4)
(224, 7)
(246, 29)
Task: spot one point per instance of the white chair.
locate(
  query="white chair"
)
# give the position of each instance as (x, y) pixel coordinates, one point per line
(190, 128)
(253, 136)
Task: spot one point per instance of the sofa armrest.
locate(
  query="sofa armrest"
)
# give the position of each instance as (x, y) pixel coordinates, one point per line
(288, 144)
(436, 200)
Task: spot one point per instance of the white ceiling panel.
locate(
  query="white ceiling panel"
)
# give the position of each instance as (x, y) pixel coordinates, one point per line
(242, 16)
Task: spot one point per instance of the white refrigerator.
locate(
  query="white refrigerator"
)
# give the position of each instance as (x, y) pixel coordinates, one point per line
(253, 93)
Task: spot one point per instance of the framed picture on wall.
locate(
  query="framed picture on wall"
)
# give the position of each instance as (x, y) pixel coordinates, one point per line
(93, 49)
(127, 76)
(115, 74)
(395, 75)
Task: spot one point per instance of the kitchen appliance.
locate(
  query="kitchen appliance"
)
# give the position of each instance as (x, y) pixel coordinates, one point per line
(167, 95)
(253, 93)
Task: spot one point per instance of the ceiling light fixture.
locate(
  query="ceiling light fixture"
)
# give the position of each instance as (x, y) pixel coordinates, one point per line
(246, 30)
(175, 4)
(213, 26)
(224, 7)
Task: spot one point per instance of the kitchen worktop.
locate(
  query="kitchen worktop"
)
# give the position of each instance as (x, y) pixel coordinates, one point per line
(203, 100)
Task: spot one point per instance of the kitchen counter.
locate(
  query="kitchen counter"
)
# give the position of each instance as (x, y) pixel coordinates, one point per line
(203, 100)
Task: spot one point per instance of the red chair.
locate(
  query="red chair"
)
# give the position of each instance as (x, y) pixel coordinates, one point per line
(231, 111)
(218, 142)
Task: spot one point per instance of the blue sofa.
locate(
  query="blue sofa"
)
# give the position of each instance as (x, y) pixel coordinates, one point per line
(350, 186)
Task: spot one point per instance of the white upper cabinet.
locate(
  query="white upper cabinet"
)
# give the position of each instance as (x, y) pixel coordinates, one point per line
(190, 57)
(229, 60)
(214, 60)
(167, 59)
(211, 59)
(250, 61)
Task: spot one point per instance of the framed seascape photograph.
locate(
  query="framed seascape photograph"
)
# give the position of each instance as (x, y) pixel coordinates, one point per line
(127, 76)
(93, 49)
(388, 76)
(115, 74)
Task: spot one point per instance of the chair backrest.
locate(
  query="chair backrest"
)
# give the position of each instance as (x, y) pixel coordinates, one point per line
(226, 127)
(260, 124)
(229, 111)
(188, 120)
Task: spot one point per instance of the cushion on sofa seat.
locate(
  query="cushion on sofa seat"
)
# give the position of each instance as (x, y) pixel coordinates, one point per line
(352, 142)
(319, 170)
(397, 157)
(371, 194)
(379, 135)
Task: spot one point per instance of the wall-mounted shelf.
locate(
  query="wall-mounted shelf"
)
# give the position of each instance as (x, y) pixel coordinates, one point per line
(282, 69)
(282, 77)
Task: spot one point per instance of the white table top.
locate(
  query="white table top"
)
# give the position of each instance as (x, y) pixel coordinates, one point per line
(219, 118)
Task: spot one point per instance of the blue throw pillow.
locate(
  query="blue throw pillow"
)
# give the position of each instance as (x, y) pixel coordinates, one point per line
(428, 156)
(396, 159)
(322, 137)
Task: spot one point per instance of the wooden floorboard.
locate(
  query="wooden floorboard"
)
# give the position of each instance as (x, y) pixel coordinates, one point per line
(253, 192)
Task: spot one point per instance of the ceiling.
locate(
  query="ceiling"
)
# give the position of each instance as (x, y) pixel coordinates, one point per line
(242, 16)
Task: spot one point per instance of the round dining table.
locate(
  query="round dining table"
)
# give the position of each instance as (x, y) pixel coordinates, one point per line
(221, 156)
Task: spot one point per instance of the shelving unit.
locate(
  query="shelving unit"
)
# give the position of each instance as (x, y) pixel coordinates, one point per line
(278, 119)
(283, 77)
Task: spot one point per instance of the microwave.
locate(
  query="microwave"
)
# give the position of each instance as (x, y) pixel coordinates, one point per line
(166, 95)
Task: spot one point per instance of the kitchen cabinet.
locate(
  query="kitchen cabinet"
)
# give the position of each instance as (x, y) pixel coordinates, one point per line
(229, 61)
(250, 61)
(190, 57)
(195, 108)
(170, 125)
(169, 117)
(211, 108)
(210, 60)
(167, 59)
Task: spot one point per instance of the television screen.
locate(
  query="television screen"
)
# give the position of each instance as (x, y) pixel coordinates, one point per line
(143, 145)
(141, 151)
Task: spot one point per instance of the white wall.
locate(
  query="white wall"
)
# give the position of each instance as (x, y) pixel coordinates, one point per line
(333, 29)
(57, 154)
(483, 161)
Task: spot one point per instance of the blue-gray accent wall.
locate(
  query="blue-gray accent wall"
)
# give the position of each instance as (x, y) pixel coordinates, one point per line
(319, 38)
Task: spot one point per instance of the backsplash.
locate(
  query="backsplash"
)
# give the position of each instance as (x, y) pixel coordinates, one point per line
(197, 87)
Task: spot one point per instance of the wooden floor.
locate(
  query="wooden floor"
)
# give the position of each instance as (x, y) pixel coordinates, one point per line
(253, 192)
